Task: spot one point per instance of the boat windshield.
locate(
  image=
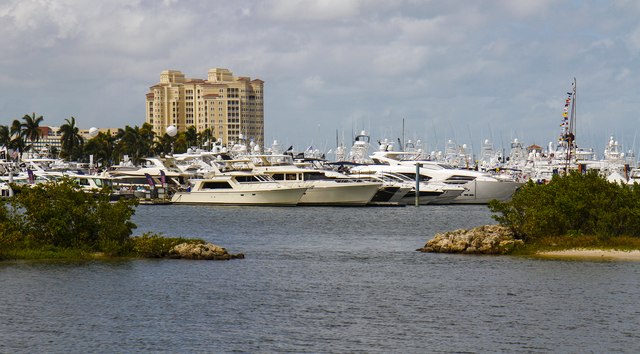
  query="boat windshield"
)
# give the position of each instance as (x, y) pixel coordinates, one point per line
(315, 176)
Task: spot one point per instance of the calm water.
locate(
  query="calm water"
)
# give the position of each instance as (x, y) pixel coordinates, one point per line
(319, 280)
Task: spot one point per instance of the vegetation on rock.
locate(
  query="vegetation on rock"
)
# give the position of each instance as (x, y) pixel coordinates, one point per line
(49, 221)
(155, 246)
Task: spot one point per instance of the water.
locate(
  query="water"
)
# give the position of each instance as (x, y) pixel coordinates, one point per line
(319, 280)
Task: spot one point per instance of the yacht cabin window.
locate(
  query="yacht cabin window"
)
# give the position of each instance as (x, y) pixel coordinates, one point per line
(216, 185)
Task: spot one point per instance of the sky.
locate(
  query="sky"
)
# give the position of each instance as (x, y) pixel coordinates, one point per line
(463, 70)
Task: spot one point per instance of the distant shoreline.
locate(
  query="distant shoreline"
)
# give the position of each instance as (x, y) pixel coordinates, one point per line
(592, 254)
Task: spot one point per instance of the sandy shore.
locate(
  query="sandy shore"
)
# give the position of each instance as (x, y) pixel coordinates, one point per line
(593, 254)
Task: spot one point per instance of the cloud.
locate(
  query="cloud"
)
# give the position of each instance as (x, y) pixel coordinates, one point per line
(456, 64)
(523, 9)
(632, 41)
(314, 83)
(320, 10)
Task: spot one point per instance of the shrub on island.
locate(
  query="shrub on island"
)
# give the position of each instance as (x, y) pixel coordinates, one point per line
(60, 216)
(573, 205)
(59, 220)
(572, 211)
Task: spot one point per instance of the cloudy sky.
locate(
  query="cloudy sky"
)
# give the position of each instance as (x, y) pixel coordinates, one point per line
(464, 70)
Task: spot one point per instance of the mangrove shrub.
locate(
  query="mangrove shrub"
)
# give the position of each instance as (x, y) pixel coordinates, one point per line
(575, 204)
(62, 216)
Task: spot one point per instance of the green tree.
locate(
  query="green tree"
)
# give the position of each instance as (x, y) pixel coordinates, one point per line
(31, 127)
(180, 143)
(148, 138)
(102, 147)
(191, 137)
(17, 142)
(571, 205)
(163, 144)
(205, 136)
(71, 141)
(136, 142)
(5, 136)
(61, 216)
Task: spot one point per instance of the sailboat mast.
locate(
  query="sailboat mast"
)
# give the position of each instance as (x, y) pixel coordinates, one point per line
(572, 121)
(403, 141)
(571, 133)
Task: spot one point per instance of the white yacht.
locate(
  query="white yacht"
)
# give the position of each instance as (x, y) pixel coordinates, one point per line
(238, 189)
(480, 188)
(430, 192)
(394, 188)
(128, 176)
(333, 189)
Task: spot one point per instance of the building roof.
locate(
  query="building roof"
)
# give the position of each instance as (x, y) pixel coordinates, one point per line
(257, 81)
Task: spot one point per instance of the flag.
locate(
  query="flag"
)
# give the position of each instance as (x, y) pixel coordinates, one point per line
(163, 178)
(32, 178)
(150, 180)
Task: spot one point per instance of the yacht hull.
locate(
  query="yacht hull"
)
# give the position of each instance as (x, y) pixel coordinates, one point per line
(482, 192)
(281, 196)
(425, 197)
(348, 194)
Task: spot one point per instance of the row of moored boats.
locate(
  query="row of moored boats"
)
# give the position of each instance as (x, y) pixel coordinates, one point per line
(216, 177)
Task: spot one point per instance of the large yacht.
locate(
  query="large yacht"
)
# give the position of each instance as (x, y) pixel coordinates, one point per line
(237, 189)
(480, 188)
(393, 189)
(404, 177)
(332, 189)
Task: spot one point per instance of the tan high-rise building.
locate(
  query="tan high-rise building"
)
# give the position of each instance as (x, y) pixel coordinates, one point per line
(229, 106)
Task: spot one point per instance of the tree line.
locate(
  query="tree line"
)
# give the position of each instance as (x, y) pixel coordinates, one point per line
(108, 149)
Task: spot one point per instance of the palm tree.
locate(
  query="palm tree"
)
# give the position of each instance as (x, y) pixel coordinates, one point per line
(17, 138)
(136, 142)
(102, 147)
(31, 127)
(147, 136)
(5, 136)
(205, 136)
(163, 144)
(180, 144)
(191, 136)
(129, 142)
(5, 140)
(71, 140)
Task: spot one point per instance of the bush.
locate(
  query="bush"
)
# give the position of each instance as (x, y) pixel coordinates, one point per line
(575, 205)
(155, 246)
(62, 216)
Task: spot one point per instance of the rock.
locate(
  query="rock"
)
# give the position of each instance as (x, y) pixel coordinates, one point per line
(207, 251)
(486, 239)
